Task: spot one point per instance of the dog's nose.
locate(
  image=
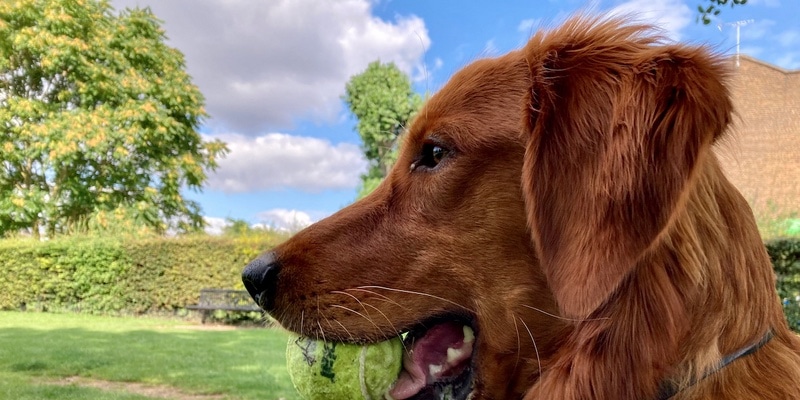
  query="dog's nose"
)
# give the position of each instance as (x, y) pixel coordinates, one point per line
(260, 278)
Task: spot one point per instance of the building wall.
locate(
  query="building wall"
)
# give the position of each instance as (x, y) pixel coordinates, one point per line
(761, 154)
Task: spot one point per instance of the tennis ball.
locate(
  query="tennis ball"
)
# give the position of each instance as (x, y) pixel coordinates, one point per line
(340, 371)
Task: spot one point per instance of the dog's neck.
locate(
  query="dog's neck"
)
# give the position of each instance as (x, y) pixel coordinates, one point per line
(668, 388)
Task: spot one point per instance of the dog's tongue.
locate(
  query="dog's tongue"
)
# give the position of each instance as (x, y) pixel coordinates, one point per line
(443, 352)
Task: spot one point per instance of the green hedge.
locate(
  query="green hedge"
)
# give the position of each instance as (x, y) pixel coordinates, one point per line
(118, 275)
(785, 256)
(136, 276)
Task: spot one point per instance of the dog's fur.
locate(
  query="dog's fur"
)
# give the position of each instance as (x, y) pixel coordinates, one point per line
(579, 219)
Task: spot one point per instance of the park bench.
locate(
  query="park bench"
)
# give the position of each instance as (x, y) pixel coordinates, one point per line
(225, 300)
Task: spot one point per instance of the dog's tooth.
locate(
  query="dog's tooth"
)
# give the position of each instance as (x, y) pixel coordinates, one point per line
(434, 370)
(469, 334)
(454, 355)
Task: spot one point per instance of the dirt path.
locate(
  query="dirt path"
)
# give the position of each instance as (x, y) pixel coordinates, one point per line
(154, 391)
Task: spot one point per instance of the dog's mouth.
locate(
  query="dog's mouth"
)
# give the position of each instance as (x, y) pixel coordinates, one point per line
(438, 362)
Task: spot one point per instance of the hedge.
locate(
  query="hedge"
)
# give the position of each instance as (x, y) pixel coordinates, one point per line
(136, 276)
(119, 275)
(785, 256)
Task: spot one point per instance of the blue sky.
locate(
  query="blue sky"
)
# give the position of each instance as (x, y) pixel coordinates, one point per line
(273, 73)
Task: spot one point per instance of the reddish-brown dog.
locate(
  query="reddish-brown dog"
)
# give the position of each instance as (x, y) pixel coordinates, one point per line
(563, 203)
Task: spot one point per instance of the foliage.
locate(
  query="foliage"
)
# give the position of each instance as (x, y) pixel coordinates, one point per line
(714, 9)
(241, 228)
(237, 227)
(66, 273)
(122, 275)
(785, 256)
(384, 102)
(96, 113)
(39, 349)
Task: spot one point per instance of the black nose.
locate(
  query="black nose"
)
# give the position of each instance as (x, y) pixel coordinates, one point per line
(260, 278)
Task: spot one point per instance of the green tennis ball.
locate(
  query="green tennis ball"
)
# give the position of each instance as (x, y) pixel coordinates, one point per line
(339, 371)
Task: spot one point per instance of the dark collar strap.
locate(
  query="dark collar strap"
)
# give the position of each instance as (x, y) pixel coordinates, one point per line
(668, 389)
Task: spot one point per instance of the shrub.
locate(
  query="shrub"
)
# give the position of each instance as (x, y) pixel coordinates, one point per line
(64, 274)
(785, 256)
(125, 275)
(122, 274)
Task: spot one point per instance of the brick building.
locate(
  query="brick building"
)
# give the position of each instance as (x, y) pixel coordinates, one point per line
(761, 155)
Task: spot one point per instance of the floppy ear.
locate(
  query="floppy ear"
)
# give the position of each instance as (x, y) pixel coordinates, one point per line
(616, 126)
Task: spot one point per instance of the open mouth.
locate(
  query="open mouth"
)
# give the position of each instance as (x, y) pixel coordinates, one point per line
(437, 363)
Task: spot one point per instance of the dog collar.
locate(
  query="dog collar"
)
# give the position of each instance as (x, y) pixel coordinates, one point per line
(667, 389)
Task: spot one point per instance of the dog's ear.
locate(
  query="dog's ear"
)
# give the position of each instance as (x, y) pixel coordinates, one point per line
(616, 125)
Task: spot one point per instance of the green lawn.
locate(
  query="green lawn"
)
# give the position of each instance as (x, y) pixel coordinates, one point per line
(38, 350)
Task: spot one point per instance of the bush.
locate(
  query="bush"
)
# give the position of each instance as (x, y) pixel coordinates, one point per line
(785, 256)
(120, 274)
(124, 275)
(64, 274)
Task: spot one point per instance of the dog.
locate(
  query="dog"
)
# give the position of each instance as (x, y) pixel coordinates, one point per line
(558, 223)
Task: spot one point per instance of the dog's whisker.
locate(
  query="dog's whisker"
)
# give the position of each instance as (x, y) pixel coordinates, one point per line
(364, 306)
(535, 347)
(352, 338)
(563, 318)
(302, 321)
(389, 299)
(519, 344)
(321, 332)
(354, 298)
(327, 320)
(390, 323)
(357, 313)
(419, 294)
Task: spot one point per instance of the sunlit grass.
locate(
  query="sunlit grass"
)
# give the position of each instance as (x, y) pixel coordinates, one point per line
(40, 348)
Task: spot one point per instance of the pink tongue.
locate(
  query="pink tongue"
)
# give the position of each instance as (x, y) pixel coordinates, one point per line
(427, 361)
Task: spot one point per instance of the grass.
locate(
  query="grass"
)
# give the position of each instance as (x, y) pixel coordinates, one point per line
(37, 350)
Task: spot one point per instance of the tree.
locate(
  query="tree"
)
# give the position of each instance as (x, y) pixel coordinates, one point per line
(237, 227)
(97, 113)
(384, 102)
(714, 9)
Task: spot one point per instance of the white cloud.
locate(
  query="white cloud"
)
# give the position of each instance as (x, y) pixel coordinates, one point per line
(215, 226)
(279, 219)
(672, 16)
(284, 220)
(279, 161)
(263, 64)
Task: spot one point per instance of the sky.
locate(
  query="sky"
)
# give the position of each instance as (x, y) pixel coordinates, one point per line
(273, 73)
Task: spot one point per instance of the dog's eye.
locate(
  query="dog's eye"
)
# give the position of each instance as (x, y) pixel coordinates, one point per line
(432, 154)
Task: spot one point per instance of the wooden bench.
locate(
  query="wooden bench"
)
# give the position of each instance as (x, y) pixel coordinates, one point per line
(225, 300)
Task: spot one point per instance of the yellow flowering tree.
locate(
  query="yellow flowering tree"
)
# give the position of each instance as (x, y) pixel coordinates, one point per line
(97, 114)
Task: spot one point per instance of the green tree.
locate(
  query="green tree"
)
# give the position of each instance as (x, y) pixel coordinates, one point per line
(714, 9)
(384, 102)
(96, 113)
(237, 227)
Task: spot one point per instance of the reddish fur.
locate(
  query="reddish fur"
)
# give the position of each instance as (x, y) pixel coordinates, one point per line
(605, 205)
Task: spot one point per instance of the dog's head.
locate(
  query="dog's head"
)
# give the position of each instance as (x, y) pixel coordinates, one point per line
(525, 191)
